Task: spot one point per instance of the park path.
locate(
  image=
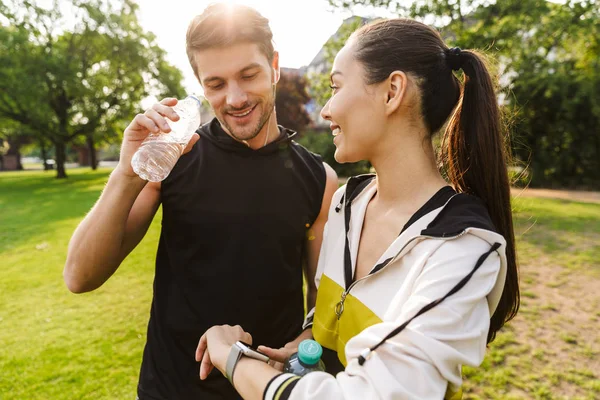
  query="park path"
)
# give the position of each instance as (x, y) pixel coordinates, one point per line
(572, 195)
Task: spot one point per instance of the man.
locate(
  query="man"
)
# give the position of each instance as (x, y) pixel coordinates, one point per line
(243, 210)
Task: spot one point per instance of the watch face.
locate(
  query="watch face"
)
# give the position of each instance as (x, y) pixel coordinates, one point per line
(251, 352)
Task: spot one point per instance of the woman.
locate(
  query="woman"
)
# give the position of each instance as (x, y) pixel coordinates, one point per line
(415, 276)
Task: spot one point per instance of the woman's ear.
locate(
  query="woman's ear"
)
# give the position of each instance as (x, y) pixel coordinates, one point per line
(396, 88)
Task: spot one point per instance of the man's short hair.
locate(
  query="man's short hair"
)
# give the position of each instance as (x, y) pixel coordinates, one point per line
(226, 25)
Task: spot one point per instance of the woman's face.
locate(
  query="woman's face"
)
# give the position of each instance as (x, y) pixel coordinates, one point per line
(354, 110)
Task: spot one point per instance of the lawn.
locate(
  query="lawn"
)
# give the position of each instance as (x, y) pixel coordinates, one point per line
(57, 345)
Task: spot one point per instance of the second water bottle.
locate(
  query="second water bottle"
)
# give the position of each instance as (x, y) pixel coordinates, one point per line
(307, 359)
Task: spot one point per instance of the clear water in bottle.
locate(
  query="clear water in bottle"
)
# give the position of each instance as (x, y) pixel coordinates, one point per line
(307, 359)
(159, 152)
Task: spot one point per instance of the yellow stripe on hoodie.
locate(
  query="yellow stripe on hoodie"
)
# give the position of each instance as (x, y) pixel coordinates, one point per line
(334, 333)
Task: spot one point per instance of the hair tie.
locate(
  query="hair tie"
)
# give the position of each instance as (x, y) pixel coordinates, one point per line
(454, 59)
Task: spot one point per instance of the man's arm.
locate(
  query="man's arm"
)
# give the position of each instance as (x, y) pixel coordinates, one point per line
(122, 215)
(111, 230)
(315, 237)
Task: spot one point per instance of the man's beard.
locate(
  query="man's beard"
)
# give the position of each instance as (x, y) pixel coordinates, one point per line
(264, 118)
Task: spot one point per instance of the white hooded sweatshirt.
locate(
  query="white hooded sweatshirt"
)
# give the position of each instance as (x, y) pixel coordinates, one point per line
(451, 239)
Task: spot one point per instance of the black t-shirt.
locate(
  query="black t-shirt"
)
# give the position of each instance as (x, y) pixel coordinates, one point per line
(230, 252)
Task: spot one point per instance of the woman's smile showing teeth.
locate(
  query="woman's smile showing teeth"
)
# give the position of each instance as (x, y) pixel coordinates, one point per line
(335, 130)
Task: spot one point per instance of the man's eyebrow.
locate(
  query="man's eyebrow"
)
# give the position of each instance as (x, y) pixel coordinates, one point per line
(245, 69)
(249, 67)
(211, 79)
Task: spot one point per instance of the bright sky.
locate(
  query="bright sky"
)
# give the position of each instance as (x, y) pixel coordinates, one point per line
(300, 27)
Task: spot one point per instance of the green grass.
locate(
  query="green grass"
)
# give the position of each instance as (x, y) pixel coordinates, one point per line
(54, 344)
(57, 345)
(567, 232)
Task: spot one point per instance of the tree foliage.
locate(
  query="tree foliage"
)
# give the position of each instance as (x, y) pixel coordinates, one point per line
(548, 55)
(78, 78)
(291, 97)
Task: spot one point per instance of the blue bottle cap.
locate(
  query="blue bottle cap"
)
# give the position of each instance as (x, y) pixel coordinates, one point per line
(309, 352)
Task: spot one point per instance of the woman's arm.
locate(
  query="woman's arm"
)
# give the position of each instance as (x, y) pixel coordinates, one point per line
(250, 377)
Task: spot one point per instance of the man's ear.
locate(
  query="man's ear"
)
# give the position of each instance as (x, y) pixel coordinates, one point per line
(275, 66)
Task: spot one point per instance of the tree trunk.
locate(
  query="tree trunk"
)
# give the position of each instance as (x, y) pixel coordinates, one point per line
(92, 150)
(60, 147)
(14, 149)
(44, 152)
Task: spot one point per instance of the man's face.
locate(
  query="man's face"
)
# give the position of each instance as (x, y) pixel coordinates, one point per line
(238, 83)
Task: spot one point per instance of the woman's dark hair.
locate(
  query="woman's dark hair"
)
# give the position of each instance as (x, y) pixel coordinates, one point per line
(474, 154)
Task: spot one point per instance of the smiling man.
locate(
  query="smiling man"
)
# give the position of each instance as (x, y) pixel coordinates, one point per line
(243, 213)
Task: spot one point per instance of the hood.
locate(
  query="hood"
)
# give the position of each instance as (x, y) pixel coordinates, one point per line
(213, 132)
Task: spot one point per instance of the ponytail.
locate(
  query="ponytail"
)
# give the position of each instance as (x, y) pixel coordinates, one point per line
(475, 160)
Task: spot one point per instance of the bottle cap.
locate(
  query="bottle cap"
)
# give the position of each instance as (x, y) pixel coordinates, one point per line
(309, 352)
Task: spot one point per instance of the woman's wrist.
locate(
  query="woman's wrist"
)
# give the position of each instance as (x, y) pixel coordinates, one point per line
(219, 355)
(251, 377)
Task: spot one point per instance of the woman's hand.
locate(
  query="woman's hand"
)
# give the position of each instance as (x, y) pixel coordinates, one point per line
(278, 356)
(214, 347)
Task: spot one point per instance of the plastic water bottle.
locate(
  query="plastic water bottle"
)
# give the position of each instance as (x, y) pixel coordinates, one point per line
(307, 359)
(159, 152)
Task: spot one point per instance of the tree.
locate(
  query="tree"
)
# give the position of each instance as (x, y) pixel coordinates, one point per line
(555, 96)
(80, 81)
(12, 138)
(320, 91)
(320, 83)
(290, 101)
(548, 56)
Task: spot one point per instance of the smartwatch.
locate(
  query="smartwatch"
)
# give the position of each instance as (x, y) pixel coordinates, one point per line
(238, 350)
